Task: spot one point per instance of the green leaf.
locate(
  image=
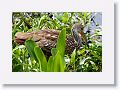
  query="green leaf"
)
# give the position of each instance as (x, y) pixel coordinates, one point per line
(65, 17)
(85, 14)
(59, 17)
(61, 42)
(41, 58)
(50, 63)
(82, 51)
(17, 68)
(54, 51)
(30, 47)
(73, 56)
(58, 63)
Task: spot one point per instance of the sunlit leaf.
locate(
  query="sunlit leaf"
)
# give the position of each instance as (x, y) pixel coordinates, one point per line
(41, 58)
(50, 67)
(61, 42)
(30, 47)
(65, 17)
(58, 63)
(53, 51)
(73, 56)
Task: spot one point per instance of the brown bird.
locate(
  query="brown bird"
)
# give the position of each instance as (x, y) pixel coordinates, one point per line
(47, 38)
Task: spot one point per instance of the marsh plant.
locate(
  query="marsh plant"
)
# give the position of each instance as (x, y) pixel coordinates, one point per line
(31, 58)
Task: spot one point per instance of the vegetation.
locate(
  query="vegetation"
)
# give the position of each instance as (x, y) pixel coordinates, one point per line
(30, 58)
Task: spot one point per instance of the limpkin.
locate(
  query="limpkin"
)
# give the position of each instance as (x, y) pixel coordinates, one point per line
(47, 38)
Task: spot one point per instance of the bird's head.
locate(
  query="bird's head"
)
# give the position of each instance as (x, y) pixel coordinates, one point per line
(78, 27)
(78, 34)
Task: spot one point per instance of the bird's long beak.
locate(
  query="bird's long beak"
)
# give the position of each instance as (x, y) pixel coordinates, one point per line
(83, 36)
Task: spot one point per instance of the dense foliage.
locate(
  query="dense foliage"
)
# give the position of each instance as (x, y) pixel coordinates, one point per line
(30, 58)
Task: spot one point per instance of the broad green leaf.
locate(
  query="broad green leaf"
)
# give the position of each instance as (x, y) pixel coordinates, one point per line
(53, 51)
(50, 63)
(58, 63)
(30, 47)
(73, 56)
(41, 58)
(61, 42)
(65, 17)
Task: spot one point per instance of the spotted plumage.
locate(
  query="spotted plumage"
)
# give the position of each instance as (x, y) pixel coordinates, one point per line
(46, 39)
